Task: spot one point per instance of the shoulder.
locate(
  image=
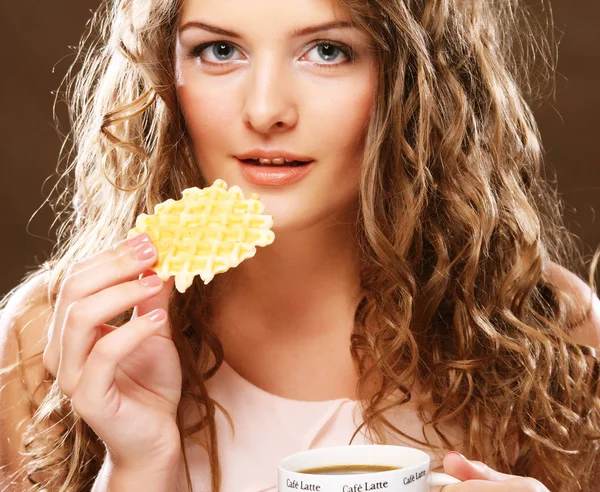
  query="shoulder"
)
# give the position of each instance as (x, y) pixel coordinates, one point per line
(24, 322)
(586, 330)
(23, 326)
(26, 314)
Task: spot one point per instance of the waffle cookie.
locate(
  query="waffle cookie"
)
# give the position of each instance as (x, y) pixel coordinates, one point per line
(208, 231)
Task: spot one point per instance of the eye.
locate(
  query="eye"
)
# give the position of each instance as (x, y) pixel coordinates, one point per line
(215, 53)
(223, 52)
(329, 52)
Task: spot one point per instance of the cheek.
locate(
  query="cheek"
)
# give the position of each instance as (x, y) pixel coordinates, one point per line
(206, 111)
(342, 115)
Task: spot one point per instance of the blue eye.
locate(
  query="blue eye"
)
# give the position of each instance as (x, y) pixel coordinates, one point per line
(329, 52)
(222, 52)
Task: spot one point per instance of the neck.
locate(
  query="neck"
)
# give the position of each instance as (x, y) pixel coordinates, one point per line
(290, 309)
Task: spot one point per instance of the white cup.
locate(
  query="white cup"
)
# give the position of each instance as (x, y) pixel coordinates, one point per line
(412, 475)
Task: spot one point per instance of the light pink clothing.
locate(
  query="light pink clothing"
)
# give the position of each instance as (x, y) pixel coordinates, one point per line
(267, 428)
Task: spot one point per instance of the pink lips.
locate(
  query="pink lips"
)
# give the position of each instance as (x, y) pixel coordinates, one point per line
(273, 175)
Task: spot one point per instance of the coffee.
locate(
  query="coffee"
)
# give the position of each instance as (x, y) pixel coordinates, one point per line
(376, 467)
(348, 469)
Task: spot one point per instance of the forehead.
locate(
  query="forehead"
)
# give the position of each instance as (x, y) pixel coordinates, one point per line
(262, 13)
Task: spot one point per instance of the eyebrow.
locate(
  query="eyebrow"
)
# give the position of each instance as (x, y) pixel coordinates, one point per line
(296, 33)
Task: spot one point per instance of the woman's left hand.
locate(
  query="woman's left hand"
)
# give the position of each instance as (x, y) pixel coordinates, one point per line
(478, 477)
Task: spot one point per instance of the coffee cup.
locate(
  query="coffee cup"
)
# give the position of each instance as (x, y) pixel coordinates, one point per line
(367, 468)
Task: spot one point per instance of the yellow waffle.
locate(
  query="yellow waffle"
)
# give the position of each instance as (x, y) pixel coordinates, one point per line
(208, 231)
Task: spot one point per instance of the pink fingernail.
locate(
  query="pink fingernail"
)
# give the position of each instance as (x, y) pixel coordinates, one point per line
(139, 239)
(157, 315)
(458, 454)
(144, 251)
(151, 281)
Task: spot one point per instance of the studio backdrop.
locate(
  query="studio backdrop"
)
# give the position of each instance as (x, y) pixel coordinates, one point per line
(36, 49)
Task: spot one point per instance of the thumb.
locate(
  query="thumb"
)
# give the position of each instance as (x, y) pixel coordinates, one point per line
(160, 300)
(458, 466)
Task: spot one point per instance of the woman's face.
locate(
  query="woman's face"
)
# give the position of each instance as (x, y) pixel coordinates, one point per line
(261, 75)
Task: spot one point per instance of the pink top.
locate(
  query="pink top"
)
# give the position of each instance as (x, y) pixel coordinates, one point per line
(267, 428)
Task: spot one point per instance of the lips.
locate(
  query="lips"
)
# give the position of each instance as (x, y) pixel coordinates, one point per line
(273, 156)
(273, 174)
(256, 162)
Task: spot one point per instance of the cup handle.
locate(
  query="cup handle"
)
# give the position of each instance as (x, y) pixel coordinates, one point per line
(439, 479)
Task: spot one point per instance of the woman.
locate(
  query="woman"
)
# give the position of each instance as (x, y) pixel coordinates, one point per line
(413, 294)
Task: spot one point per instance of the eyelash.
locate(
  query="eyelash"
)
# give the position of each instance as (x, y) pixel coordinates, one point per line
(346, 51)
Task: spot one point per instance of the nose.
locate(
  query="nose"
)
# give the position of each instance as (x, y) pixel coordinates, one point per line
(269, 105)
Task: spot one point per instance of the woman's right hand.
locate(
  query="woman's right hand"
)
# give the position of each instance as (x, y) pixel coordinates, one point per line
(124, 382)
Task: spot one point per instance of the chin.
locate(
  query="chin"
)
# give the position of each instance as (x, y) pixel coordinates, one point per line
(297, 217)
(290, 217)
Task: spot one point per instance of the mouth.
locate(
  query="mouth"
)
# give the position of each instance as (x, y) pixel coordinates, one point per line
(286, 163)
(278, 172)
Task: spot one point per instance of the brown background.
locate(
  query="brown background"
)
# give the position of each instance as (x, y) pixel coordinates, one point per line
(34, 55)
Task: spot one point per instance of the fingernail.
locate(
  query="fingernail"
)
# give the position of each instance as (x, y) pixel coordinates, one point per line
(459, 455)
(144, 251)
(157, 315)
(151, 281)
(139, 239)
(481, 468)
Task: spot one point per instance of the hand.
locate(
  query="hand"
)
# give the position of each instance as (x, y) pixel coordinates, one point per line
(124, 382)
(479, 477)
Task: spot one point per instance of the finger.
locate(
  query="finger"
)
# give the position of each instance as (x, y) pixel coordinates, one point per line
(107, 254)
(96, 391)
(480, 486)
(80, 331)
(478, 476)
(458, 466)
(75, 287)
(123, 262)
(105, 330)
(513, 484)
(158, 301)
